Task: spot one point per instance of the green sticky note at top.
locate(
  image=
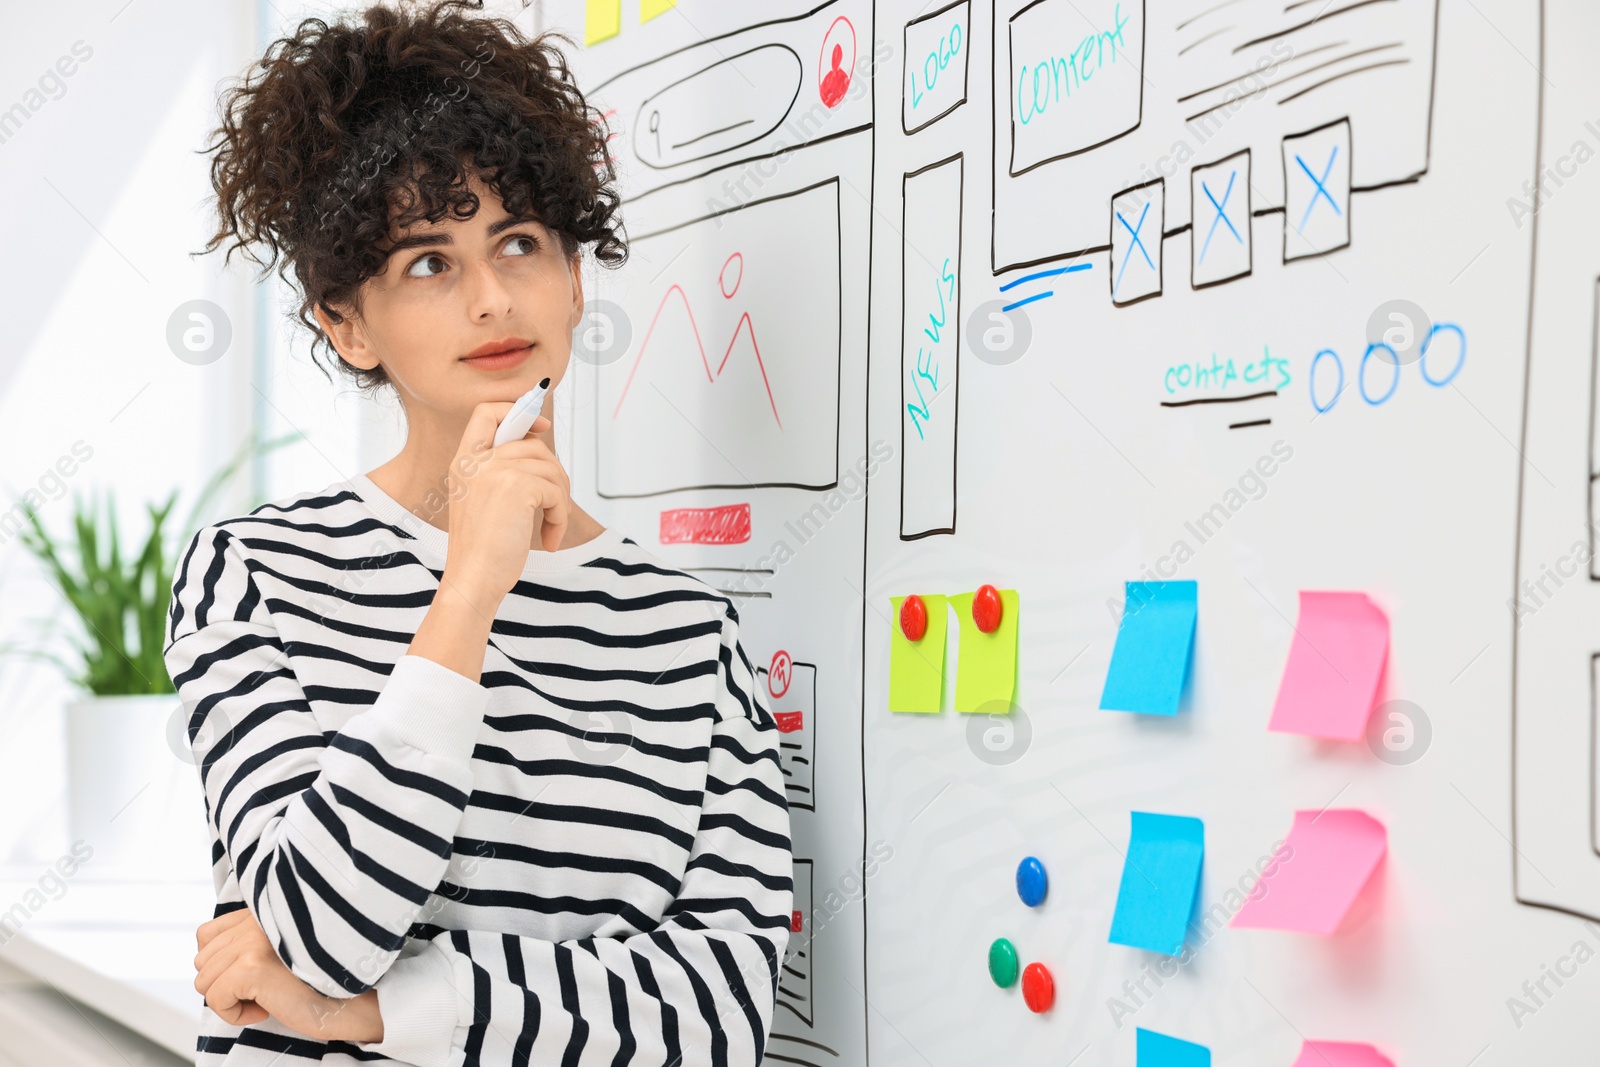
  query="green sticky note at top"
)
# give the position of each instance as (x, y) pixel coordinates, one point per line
(916, 668)
(986, 665)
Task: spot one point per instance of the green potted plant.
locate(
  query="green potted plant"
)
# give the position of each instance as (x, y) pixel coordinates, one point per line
(132, 791)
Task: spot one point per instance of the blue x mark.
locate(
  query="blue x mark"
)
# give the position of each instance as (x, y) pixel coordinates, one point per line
(1321, 184)
(1137, 243)
(1221, 215)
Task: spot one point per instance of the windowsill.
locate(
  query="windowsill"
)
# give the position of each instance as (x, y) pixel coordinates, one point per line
(124, 948)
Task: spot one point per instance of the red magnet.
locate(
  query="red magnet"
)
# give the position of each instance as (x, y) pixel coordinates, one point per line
(986, 608)
(913, 617)
(1038, 988)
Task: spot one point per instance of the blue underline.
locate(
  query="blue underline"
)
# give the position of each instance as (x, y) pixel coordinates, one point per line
(1029, 300)
(1045, 274)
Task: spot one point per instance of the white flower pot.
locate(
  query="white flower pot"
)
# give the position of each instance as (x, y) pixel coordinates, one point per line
(133, 792)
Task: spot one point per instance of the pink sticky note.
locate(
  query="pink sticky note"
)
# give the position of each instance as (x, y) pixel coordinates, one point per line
(1336, 660)
(1317, 874)
(1340, 1054)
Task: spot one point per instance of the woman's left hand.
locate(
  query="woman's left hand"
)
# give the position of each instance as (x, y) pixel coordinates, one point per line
(244, 982)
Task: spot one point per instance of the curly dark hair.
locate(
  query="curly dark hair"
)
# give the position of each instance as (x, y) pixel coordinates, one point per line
(351, 129)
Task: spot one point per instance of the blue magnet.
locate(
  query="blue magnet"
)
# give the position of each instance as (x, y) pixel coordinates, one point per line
(1031, 882)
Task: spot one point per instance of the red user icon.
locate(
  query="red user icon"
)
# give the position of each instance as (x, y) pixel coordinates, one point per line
(835, 81)
(779, 673)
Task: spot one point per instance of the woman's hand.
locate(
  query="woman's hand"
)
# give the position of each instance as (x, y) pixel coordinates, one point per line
(244, 982)
(499, 497)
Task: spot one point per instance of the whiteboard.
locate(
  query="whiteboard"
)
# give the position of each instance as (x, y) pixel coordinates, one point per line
(1031, 293)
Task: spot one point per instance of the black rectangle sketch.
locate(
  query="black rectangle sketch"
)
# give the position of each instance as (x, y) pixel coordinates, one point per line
(1132, 230)
(1316, 172)
(1594, 747)
(796, 713)
(794, 979)
(1594, 433)
(1555, 666)
(1219, 204)
(930, 346)
(755, 93)
(929, 88)
(1230, 78)
(734, 350)
(1052, 73)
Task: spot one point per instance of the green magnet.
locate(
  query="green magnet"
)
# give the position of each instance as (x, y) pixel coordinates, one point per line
(1003, 963)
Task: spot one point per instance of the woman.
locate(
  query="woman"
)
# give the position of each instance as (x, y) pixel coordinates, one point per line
(394, 682)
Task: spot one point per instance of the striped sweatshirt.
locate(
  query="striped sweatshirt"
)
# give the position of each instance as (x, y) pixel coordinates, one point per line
(581, 859)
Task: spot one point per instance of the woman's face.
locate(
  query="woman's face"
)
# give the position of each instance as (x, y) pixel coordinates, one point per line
(455, 288)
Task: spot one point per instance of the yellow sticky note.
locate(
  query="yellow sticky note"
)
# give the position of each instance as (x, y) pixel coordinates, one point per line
(602, 20)
(649, 9)
(916, 668)
(986, 664)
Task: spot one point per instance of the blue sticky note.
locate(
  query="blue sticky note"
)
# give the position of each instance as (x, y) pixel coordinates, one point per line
(1160, 880)
(1151, 658)
(1159, 1050)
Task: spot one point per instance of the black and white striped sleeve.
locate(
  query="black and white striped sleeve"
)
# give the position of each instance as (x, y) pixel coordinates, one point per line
(700, 988)
(313, 823)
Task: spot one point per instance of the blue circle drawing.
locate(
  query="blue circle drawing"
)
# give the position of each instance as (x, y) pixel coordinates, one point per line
(1461, 353)
(1394, 383)
(1311, 378)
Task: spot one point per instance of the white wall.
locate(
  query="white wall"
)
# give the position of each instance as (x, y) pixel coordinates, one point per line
(109, 193)
(106, 201)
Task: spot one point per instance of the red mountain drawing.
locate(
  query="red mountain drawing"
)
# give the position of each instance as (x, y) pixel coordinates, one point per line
(745, 324)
